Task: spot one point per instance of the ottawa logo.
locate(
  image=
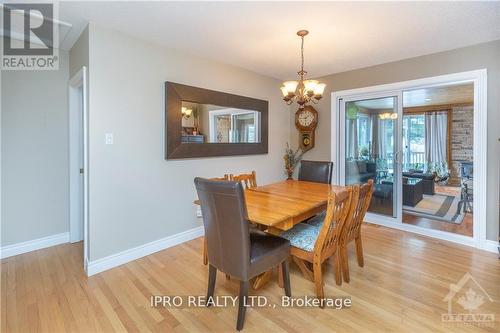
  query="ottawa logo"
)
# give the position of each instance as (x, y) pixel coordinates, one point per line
(464, 300)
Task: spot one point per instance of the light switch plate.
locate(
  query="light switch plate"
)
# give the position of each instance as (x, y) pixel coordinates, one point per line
(108, 138)
(198, 212)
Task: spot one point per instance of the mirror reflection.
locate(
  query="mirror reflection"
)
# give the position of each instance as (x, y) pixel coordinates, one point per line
(207, 123)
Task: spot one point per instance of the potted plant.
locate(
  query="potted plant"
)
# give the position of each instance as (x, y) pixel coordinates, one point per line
(292, 158)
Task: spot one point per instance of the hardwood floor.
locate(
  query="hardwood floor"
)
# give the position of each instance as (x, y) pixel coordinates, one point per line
(465, 228)
(400, 289)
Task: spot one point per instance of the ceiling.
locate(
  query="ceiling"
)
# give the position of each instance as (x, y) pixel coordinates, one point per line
(260, 36)
(443, 95)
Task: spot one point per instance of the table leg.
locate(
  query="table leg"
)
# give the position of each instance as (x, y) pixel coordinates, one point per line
(262, 279)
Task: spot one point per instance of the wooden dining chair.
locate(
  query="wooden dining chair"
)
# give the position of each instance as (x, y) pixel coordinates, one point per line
(204, 254)
(311, 246)
(234, 247)
(249, 180)
(360, 202)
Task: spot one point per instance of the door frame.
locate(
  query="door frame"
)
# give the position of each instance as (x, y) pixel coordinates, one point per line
(479, 78)
(78, 81)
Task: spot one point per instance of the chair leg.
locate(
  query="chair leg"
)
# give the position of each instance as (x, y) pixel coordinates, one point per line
(212, 275)
(344, 258)
(286, 277)
(359, 251)
(205, 256)
(318, 280)
(242, 304)
(337, 266)
(280, 276)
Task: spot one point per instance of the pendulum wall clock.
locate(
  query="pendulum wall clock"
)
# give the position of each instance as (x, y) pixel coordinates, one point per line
(306, 120)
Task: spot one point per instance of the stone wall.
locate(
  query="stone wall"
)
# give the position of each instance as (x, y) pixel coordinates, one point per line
(462, 129)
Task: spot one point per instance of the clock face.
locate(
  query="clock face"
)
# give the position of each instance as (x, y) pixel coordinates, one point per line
(306, 118)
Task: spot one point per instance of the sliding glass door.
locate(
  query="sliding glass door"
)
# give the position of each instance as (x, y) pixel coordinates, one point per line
(420, 145)
(370, 149)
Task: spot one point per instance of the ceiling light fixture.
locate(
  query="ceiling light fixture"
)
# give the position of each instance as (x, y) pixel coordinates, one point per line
(186, 113)
(388, 115)
(302, 92)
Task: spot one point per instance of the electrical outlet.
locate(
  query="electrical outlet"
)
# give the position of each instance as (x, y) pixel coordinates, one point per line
(108, 138)
(198, 212)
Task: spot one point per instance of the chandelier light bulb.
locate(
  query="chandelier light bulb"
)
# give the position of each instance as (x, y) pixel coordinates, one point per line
(290, 87)
(319, 89)
(310, 86)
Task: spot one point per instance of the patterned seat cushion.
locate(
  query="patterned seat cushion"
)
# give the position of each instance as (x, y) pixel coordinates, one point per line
(302, 236)
(317, 221)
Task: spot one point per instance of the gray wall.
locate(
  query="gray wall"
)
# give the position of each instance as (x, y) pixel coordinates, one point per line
(136, 196)
(34, 153)
(485, 55)
(79, 53)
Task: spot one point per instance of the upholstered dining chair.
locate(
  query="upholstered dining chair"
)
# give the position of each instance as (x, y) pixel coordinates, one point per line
(249, 180)
(233, 247)
(316, 171)
(226, 177)
(314, 245)
(361, 199)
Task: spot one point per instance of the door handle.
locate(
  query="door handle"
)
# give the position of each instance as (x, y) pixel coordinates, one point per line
(397, 157)
(81, 171)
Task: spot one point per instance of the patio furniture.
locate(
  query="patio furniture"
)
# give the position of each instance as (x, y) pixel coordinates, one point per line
(359, 171)
(428, 184)
(412, 190)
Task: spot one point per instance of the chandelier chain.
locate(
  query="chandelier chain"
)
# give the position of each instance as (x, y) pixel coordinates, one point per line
(302, 54)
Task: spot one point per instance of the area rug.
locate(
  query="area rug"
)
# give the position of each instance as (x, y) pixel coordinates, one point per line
(439, 207)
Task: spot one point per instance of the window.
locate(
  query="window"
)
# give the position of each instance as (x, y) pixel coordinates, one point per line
(414, 141)
(234, 126)
(364, 135)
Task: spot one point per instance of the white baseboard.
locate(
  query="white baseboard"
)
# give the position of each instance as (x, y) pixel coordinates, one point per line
(33, 245)
(490, 246)
(100, 265)
(486, 245)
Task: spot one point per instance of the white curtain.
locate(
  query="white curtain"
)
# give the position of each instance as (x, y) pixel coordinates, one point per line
(436, 138)
(381, 137)
(352, 138)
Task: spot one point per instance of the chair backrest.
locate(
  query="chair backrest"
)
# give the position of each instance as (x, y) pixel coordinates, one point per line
(362, 196)
(316, 171)
(249, 180)
(226, 225)
(331, 231)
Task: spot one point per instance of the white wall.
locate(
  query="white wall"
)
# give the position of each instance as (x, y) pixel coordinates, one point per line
(480, 56)
(136, 196)
(34, 153)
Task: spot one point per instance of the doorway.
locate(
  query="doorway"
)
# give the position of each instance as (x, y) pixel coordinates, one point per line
(400, 135)
(78, 161)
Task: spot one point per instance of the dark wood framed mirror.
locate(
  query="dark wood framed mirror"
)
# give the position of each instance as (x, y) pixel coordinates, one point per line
(204, 123)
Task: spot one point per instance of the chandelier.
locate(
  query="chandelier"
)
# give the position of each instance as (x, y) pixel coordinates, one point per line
(302, 92)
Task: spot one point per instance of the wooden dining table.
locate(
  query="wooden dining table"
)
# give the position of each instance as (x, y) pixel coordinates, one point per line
(279, 206)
